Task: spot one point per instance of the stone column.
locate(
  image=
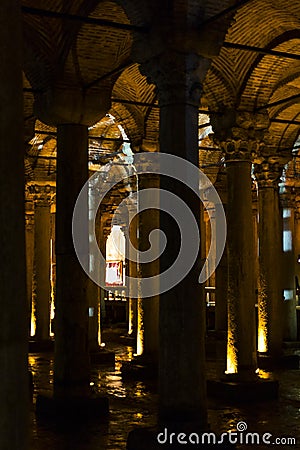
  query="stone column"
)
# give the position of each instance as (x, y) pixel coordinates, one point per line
(270, 310)
(53, 266)
(93, 292)
(182, 384)
(103, 235)
(221, 287)
(132, 270)
(29, 239)
(241, 342)
(42, 198)
(297, 240)
(14, 395)
(147, 308)
(71, 362)
(288, 265)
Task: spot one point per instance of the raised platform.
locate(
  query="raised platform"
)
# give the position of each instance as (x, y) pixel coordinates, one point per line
(102, 356)
(266, 362)
(41, 346)
(243, 391)
(74, 408)
(139, 368)
(291, 344)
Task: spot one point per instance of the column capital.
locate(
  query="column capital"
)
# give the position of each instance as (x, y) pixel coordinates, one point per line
(42, 195)
(268, 171)
(240, 134)
(287, 196)
(178, 76)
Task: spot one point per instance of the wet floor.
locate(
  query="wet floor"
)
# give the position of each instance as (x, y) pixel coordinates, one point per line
(134, 404)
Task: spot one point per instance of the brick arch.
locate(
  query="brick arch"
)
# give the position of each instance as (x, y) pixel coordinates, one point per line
(266, 66)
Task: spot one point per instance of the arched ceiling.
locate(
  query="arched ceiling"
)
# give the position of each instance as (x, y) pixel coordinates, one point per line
(90, 44)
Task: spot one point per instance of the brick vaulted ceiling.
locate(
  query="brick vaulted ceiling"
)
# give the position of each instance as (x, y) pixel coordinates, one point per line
(89, 44)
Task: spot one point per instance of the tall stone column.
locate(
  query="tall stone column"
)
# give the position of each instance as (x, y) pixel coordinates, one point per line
(29, 239)
(14, 395)
(148, 308)
(241, 342)
(93, 290)
(182, 384)
(71, 362)
(297, 239)
(270, 307)
(221, 286)
(42, 263)
(132, 270)
(288, 266)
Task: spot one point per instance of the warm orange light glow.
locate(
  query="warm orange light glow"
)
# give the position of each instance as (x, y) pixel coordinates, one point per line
(32, 325)
(231, 355)
(130, 317)
(140, 328)
(262, 339)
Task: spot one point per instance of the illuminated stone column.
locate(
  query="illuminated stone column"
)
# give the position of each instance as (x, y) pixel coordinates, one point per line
(29, 239)
(240, 135)
(148, 308)
(221, 286)
(93, 292)
(241, 297)
(241, 342)
(14, 395)
(288, 264)
(132, 270)
(182, 384)
(42, 199)
(53, 266)
(270, 305)
(297, 237)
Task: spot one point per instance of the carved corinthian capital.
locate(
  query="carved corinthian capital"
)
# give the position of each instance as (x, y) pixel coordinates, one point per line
(239, 134)
(269, 171)
(41, 194)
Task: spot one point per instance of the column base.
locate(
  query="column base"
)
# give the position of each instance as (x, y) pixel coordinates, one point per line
(291, 344)
(141, 367)
(73, 408)
(233, 390)
(102, 356)
(41, 345)
(267, 362)
(156, 438)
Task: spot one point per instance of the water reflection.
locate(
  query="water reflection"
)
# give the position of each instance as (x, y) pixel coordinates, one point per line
(134, 404)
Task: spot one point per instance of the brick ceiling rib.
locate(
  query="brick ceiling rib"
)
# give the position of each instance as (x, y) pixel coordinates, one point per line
(99, 50)
(256, 24)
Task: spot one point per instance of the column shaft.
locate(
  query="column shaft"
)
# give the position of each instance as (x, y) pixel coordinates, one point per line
(221, 287)
(241, 348)
(270, 295)
(133, 273)
(148, 317)
(182, 384)
(29, 239)
(288, 271)
(71, 365)
(42, 270)
(14, 395)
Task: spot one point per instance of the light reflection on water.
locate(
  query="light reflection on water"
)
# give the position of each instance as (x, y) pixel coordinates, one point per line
(133, 404)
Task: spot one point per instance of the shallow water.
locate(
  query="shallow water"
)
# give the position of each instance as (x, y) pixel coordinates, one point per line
(134, 404)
